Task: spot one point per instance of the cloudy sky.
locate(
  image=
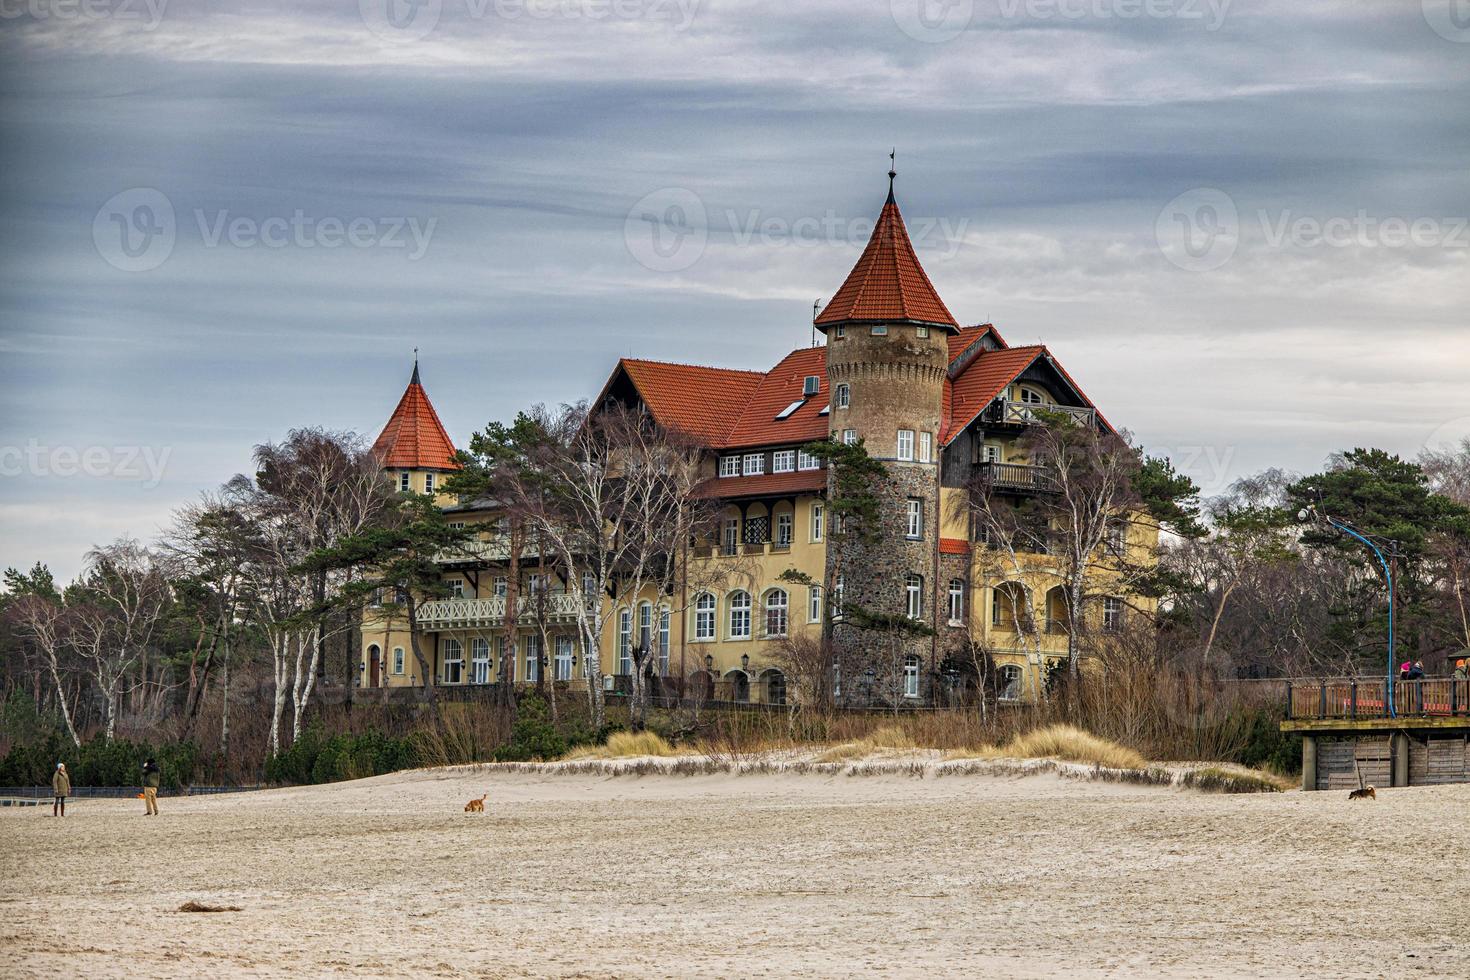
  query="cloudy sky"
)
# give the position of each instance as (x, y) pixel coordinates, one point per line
(1241, 225)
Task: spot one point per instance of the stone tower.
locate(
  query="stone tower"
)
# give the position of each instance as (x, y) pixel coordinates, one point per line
(887, 336)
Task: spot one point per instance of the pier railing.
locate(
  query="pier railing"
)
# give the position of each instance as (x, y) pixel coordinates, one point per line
(1360, 698)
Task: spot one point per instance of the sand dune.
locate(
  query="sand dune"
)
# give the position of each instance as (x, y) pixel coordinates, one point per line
(724, 875)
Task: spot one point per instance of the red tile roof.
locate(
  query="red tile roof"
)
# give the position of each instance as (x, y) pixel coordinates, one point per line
(704, 402)
(978, 385)
(888, 283)
(954, 546)
(414, 438)
(778, 390)
(804, 481)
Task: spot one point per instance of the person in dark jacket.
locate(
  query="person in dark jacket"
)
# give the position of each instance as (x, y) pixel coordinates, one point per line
(60, 790)
(1416, 672)
(151, 779)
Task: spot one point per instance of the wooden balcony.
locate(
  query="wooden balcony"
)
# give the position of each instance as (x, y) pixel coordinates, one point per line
(1004, 411)
(1015, 477)
(442, 614)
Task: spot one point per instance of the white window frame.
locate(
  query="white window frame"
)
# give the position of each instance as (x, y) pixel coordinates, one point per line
(842, 398)
(957, 601)
(479, 660)
(1030, 396)
(398, 660)
(841, 333)
(428, 483)
(777, 613)
(921, 332)
(456, 587)
(645, 627)
(811, 385)
(625, 641)
(905, 445)
(754, 464)
(404, 482)
(501, 587)
(566, 656)
(849, 437)
(729, 466)
(990, 454)
(914, 519)
(784, 529)
(783, 461)
(806, 461)
(1012, 677)
(661, 651)
(451, 653)
(880, 330)
(926, 447)
(730, 536)
(1112, 614)
(814, 604)
(706, 617)
(913, 589)
(817, 515)
(532, 643)
(738, 620)
(911, 665)
(839, 589)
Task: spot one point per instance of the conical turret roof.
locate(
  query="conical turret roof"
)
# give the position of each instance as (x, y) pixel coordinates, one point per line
(414, 438)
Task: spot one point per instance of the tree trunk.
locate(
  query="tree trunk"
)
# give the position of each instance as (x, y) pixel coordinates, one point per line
(65, 711)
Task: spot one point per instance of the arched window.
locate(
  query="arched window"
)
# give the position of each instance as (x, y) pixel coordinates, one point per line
(625, 642)
(645, 628)
(911, 676)
(661, 650)
(956, 600)
(704, 617)
(374, 664)
(1030, 396)
(1009, 606)
(776, 612)
(739, 615)
(398, 660)
(453, 662)
(1010, 683)
(1058, 617)
(739, 685)
(913, 590)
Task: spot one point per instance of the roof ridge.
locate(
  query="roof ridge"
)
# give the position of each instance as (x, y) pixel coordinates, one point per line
(686, 364)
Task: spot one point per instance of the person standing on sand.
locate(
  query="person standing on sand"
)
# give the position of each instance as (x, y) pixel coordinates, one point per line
(60, 790)
(150, 788)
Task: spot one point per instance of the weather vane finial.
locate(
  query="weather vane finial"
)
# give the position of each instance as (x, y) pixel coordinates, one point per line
(892, 170)
(415, 379)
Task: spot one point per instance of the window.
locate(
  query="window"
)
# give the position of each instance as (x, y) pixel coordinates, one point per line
(806, 461)
(1112, 614)
(911, 676)
(1058, 619)
(990, 454)
(837, 593)
(956, 600)
(783, 461)
(914, 519)
(403, 485)
(906, 444)
(1030, 396)
(729, 466)
(783, 530)
(730, 539)
(428, 483)
(479, 661)
(625, 641)
(849, 437)
(455, 586)
(500, 588)
(507, 661)
(645, 628)
(1010, 683)
(913, 588)
(704, 618)
(533, 658)
(926, 447)
(814, 604)
(740, 615)
(453, 662)
(811, 385)
(921, 332)
(536, 583)
(662, 649)
(564, 657)
(790, 410)
(1008, 606)
(841, 333)
(398, 660)
(755, 464)
(1117, 538)
(844, 396)
(816, 522)
(776, 612)
(456, 525)
(880, 330)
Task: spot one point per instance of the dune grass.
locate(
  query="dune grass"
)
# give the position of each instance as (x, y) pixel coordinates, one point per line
(1065, 742)
(884, 739)
(1218, 779)
(628, 745)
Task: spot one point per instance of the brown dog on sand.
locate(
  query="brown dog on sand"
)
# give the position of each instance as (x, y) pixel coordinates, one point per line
(476, 806)
(1366, 793)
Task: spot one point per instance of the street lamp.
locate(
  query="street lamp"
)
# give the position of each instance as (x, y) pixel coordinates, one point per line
(709, 661)
(745, 661)
(1309, 512)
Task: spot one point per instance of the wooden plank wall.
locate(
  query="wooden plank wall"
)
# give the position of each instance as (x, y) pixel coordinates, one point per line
(1335, 763)
(1439, 760)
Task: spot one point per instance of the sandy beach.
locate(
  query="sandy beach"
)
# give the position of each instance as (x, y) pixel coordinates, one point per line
(754, 875)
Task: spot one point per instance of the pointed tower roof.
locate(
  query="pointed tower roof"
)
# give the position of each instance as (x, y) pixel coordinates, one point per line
(414, 438)
(888, 284)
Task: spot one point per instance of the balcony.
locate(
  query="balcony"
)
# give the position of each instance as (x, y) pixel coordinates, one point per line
(472, 552)
(561, 607)
(1015, 477)
(1004, 411)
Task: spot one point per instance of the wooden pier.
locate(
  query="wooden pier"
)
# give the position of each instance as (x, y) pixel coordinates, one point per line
(1356, 730)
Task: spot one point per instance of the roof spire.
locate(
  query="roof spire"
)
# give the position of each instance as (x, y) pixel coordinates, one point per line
(892, 171)
(415, 379)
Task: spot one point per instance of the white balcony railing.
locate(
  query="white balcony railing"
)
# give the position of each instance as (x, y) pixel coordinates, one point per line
(448, 613)
(1009, 412)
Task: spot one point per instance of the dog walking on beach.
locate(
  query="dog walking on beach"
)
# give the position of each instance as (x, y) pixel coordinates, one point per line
(476, 806)
(1366, 793)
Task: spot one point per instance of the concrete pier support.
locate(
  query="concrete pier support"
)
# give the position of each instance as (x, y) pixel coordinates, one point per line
(1309, 762)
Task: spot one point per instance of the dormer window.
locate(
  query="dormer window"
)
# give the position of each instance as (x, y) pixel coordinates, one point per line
(729, 466)
(811, 385)
(755, 464)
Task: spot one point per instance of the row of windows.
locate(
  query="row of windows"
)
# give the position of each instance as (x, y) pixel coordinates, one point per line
(452, 659)
(1011, 607)
(879, 330)
(757, 530)
(912, 446)
(782, 461)
(775, 613)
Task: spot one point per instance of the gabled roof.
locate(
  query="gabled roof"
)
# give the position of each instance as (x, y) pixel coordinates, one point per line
(702, 402)
(985, 378)
(414, 438)
(780, 388)
(888, 283)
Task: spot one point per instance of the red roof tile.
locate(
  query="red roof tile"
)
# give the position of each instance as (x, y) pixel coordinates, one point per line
(703, 402)
(778, 390)
(888, 283)
(803, 481)
(980, 383)
(414, 438)
(954, 546)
